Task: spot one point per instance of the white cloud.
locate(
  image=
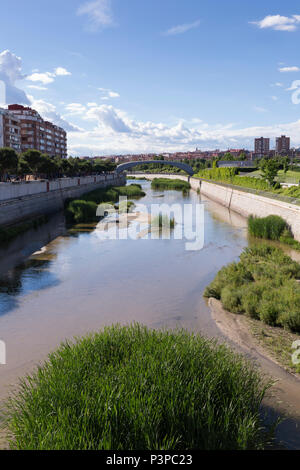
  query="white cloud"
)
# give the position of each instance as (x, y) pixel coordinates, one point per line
(75, 108)
(49, 113)
(61, 71)
(274, 98)
(289, 69)
(99, 13)
(115, 132)
(37, 87)
(48, 77)
(44, 78)
(10, 73)
(182, 28)
(279, 23)
(107, 93)
(278, 84)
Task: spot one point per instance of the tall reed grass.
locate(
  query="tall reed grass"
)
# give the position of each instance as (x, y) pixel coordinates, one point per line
(131, 388)
(166, 183)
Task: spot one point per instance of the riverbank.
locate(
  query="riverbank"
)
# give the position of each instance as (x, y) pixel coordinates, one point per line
(284, 400)
(243, 201)
(22, 201)
(79, 280)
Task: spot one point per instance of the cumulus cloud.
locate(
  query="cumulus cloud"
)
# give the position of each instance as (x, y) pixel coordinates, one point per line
(10, 73)
(61, 71)
(75, 108)
(279, 23)
(47, 77)
(99, 14)
(115, 132)
(49, 113)
(182, 28)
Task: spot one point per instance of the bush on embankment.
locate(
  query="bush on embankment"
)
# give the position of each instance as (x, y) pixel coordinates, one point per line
(230, 176)
(272, 227)
(131, 388)
(84, 210)
(166, 183)
(262, 285)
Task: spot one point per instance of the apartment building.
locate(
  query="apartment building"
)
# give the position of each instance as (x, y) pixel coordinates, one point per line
(36, 133)
(10, 130)
(283, 145)
(262, 146)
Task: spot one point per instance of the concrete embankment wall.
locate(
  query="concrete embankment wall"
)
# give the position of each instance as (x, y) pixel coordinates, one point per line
(42, 197)
(243, 202)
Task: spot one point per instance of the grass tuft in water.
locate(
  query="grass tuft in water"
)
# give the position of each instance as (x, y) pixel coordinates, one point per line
(131, 388)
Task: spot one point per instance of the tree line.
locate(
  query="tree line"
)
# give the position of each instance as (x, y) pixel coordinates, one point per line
(39, 165)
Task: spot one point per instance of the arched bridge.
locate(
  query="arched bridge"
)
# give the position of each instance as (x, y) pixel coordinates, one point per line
(183, 166)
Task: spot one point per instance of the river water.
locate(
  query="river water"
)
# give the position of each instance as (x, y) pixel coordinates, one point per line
(77, 283)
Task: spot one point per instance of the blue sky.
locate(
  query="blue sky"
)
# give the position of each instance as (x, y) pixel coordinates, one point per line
(139, 76)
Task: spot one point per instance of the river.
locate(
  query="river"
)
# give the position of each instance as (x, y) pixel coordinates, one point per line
(55, 285)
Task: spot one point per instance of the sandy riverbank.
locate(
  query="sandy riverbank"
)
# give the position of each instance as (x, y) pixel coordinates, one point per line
(284, 396)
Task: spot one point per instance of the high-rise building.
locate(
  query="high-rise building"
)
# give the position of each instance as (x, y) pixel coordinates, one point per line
(262, 146)
(10, 130)
(39, 134)
(283, 144)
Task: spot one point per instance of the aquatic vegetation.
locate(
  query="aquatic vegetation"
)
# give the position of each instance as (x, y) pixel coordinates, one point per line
(84, 210)
(166, 183)
(132, 388)
(272, 227)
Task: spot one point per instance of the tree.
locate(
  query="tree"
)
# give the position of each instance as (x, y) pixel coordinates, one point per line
(34, 159)
(8, 161)
(269, 170)
(23, 168)
(285, 162)
(47, 167)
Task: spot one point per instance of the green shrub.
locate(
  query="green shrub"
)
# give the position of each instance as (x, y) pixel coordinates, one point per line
(231, 299)
(82, 211)
(263, 285)
(250, 300)
(131, 388)
(269, 312)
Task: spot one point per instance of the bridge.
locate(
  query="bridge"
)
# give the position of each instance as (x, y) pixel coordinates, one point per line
(183, 166)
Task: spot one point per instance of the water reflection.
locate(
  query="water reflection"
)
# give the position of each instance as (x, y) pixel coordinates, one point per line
(34, 275)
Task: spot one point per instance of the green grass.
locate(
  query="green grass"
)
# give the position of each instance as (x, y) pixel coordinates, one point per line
(131, 388)
(166, 183)
(84, 210)
(262, 285)
(291, 176)
(272, 227)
